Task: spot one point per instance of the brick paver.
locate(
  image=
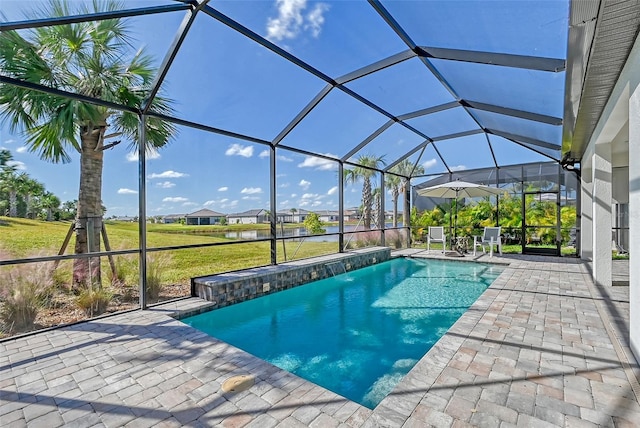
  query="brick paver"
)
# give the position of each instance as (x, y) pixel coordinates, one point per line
(541, 347)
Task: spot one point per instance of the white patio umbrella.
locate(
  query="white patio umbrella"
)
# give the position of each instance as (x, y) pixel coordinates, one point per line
(458, 189)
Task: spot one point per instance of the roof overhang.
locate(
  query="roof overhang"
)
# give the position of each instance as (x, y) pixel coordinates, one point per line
(601, 36)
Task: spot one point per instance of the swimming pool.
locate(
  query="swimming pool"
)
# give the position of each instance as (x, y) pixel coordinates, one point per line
(358, 333)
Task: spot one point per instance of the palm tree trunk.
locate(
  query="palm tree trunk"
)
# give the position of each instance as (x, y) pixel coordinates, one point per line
(89, 215)
(366, 202)
(394, 195)
(13, 203)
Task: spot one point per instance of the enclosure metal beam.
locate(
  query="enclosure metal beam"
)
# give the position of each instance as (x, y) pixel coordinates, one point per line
(89, 17)
(541, 153)
(142, 208)
(441, 158)
(493, 155)
(551, 120)
(524, 139)
(406, 155)
(65, 94)
(207, 128)
(376, 66)
(554, 65)
(172, 52)
(429, 110)
(341, 207)
(303, 113)
(273, 204)
(458, 135)
(390, 20)
(367, 140)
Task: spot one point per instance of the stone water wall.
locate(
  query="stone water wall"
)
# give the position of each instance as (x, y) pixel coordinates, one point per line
(234, 287)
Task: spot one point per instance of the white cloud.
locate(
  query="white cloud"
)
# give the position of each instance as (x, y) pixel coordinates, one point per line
(429, 163)
(294, 195)
(316, 203)
(290, 20)
(304, 184)
(151, 154)
(251, 198)
(287, 24)
(223, 200)
(175, 199)
(284, 185)
(251, 190)
(190, 204)
(21, 149)
(20, 166)
(239, 150)
(285, 203)
(457, 168)
(10, 141)
(166, 185)
(231, 204)
(124, 191)
(315, 19)
(168, 174)
(265, 154)
(223, 189)
(333, 190)
(309, 196)
(319, 163)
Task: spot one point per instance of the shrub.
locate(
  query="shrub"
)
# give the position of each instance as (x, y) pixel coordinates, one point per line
(94, 300)
(118, 278)
(156, 263)
(24, 290)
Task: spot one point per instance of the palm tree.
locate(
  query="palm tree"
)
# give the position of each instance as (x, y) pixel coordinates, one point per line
(376, 219)
(32, 188)
(88, 58)
(365, 173)
(50, 203)
(293, 213)
(14, 184)
(5, 156)
(406, 168)
(392, 182)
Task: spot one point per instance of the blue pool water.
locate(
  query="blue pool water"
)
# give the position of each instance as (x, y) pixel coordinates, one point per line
(358, 333)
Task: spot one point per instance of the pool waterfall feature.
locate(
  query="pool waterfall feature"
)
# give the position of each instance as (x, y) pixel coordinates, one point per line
(235, 287)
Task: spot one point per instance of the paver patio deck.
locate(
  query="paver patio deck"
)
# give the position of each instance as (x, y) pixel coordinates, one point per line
(543, 346)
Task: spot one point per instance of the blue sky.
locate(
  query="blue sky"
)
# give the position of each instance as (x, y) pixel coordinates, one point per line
(225, 80)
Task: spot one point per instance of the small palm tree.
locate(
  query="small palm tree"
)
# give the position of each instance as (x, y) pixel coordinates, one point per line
(14, 184)
(364, 173)
(88, 58)
(406, 168)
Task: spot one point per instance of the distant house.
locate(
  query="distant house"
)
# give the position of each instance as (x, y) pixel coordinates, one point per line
(125, 218)
(204, 217)
(352, 213)
(173, 218)
(249, 217)
(299, 215)
(331, 215)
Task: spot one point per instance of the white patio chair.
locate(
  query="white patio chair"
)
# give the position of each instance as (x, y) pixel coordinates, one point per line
(490, 237)
(436, 234)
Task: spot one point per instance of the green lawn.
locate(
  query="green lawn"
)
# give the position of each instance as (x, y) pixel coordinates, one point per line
(23, 238)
